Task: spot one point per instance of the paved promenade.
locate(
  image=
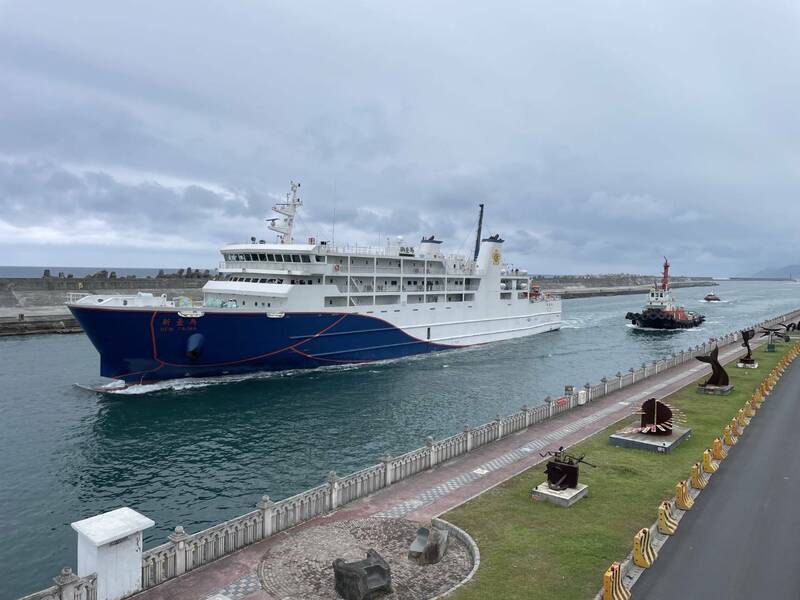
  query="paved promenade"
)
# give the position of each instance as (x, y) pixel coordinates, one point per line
(436, 491)
(739, 541)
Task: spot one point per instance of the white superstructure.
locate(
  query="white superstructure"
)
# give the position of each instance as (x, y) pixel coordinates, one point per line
(442, 298)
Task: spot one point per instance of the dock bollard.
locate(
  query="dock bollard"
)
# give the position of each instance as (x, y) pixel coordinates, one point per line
(717, 450)
(727, 436)
(643, 552)
(683, 500)
(708, 462)
(667, 524)
(698, 478)
(613, 588)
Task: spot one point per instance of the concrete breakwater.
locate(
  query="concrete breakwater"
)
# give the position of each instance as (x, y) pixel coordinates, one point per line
(620, 290)
(185, 552)
(35, 305)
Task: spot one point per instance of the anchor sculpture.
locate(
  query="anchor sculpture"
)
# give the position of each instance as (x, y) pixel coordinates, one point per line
(719, 378)
(562, 469)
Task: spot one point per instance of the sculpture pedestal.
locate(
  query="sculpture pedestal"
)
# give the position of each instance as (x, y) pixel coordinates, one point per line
(649, 442)
(746, 365)
(564, 498)
(715, 390)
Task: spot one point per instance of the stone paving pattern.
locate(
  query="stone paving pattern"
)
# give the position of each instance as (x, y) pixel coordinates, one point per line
(438, 490)
(299, 568)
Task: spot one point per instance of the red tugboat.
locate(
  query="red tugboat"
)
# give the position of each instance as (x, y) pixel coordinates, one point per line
(660, 312)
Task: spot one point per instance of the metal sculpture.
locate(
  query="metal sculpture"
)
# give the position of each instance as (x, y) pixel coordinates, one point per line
(774, 332)
(358, 580)
(719, 378)
(562, 469)
(658, 418)
(747, 335)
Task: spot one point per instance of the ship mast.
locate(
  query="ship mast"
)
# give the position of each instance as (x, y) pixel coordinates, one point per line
(283, 227)
(478, 236)
(665, 275)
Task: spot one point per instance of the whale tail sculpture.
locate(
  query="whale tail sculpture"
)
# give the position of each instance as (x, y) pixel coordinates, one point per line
(718, 375)
(747, 335)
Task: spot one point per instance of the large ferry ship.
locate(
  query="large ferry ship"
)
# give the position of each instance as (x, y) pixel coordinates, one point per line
(289, 305)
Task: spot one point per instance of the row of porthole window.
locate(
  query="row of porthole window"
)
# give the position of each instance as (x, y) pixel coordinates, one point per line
(273, 280)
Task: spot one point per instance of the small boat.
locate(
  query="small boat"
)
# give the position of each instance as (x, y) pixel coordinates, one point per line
(712, 297)
(661, 312)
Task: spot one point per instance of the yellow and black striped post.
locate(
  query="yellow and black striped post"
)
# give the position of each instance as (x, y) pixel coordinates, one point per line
(667, 523)
(717, 450)
(697, 478)
(683, 500)
(708, 462)
(643, 552)
(727, 436)
(613, 588)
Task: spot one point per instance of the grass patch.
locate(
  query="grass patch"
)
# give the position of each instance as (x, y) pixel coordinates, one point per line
(539, 550)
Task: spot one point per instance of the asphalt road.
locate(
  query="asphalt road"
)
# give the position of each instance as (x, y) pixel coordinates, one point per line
(740, 541)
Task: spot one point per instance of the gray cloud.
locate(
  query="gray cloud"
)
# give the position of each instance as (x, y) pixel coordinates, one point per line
(599, 136)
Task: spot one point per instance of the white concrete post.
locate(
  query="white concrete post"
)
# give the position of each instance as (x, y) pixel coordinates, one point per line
(528, 415)
(266, 505)
(619, 380)
(644, 367)
(333, 484)
(604, 381)
(431, 445)
(499, 420)
(387, 463)
(468, 435)
(587, 387)
(178, 539)
(633, 375)
(550, 406)
(110, 545)
(66, 583)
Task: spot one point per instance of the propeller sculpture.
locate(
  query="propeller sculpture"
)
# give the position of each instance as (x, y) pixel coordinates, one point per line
(657, 418)
(774, 332)
(719, 378)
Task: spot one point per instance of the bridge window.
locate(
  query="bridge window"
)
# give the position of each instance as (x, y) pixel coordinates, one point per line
(306, 258)
(287, 258)
(262, 257)
(271, 257)
(295, 258)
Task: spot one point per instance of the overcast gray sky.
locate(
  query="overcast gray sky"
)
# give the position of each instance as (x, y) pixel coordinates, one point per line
(601, 135)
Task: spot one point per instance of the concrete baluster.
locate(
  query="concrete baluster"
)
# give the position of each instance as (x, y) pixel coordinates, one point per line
(644, 368)
(633, 375)
(65, 581)
(387, 463)
(619, 380)
(333, 484)
(604, 381)
(499, 420)
(468, 436)
(587, 387)
(178, 539)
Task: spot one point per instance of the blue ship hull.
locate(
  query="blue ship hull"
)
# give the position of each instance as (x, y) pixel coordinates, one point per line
(146, 345)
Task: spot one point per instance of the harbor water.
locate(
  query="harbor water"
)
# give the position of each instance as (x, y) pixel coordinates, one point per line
(194, 453)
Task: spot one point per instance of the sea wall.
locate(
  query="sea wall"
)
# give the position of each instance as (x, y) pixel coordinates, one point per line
(184, 552)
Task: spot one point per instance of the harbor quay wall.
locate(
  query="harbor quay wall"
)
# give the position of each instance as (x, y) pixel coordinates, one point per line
(184, 552)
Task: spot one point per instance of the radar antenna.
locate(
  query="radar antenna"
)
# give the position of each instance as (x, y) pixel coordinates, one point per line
(283, 226)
